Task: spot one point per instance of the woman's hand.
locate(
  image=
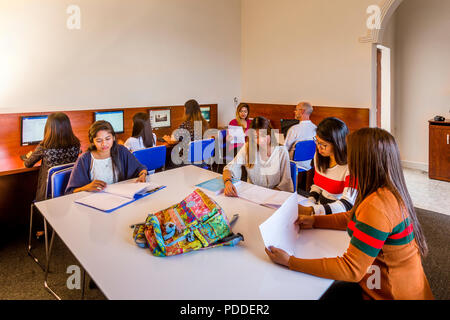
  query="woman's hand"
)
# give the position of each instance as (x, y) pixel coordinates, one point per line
(305, 211)
(168, 139)
(278, 256)
(305, 222)
(142, 176)
(230, 190)
(95, 186)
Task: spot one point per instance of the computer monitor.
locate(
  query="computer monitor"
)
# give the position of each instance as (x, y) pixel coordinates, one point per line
(206, 113)
(113, 117)
(160, 118)
(286, 124)
(32, 129)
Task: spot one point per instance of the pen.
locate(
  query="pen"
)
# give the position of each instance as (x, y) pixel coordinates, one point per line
(233, 219)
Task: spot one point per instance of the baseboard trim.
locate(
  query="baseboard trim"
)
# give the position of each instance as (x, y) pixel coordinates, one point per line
(415, 165)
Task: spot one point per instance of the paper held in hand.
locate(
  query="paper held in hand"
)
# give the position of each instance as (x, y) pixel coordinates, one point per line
(279, 230)
(237, 134)
(117, 195)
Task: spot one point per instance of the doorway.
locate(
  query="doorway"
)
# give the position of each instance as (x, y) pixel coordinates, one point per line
(384, 88)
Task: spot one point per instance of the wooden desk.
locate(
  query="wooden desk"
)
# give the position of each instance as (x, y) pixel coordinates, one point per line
(18, 186)
(103, 244)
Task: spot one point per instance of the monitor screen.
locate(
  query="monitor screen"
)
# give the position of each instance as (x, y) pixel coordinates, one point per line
(286, 124)
(113, 117)
(206, 113)
(32, 129)
(160, 118)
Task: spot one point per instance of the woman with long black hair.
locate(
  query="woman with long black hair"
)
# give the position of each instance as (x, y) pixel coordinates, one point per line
(331, 191)
(104, 163)
(385, 232)
(60, 146)
(142, 136)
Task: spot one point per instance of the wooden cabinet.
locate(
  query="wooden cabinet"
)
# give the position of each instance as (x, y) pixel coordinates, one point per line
(439, 150)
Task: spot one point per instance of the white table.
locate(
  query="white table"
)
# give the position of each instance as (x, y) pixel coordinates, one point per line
(103, 244)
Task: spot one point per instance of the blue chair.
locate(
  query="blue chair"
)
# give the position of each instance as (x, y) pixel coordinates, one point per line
(153, 158)
(304, 151)
(223, 136)
(201, 152)
(59, 181)
(51, 171)
(221, 149)
(294, 174)
(48, 195)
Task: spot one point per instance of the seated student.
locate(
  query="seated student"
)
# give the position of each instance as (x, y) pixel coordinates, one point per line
(141, 136)
(305, 130)
(267, 165)
(331, 191)
(104, 163)
(192, 114)
(383, 227)
(241, 120)
(60, 146)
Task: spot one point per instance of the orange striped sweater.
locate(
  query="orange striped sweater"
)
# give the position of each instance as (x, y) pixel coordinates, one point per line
(382, 256)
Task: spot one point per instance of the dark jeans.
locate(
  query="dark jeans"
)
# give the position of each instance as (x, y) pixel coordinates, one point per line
(343, 291)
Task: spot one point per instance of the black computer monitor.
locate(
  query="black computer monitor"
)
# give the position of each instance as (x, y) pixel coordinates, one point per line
(206, 113)
(160, 118)
(32, 129)
(286, 124)
(113, 117)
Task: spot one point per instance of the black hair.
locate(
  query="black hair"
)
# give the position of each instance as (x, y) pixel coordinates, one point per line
(106, 126)
(143, 128)
(334, 131)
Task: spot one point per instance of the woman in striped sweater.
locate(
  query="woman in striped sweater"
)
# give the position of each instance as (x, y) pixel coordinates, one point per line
(383, 260)
(331, 191)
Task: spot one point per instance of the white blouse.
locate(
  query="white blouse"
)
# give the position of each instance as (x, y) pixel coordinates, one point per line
(134, 144)
(273, 173)
(102, 169)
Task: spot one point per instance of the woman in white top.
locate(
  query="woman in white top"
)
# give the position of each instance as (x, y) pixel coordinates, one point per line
(142, 136)
(267, 165)
(104, 163)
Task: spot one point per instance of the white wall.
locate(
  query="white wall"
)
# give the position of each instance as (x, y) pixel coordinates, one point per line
(295, 50)
(127, 53)
(422, 78)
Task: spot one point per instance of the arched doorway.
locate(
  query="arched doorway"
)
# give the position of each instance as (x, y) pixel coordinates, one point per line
(380, 115)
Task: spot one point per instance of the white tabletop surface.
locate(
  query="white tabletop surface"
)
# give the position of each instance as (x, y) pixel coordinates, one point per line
(103, 244)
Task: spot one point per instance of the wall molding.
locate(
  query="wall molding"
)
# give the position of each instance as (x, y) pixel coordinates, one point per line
(415, 165)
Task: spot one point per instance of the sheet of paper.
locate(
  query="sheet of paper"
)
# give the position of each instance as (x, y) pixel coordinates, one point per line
(261, 195)
(278, 198)
(279, 230)
(237, 134)
(103, 201)
(128, 189)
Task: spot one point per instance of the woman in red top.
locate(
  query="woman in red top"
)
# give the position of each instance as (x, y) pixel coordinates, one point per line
(241, 120)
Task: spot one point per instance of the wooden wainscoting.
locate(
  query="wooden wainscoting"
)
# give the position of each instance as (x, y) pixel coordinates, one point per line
(355, 118)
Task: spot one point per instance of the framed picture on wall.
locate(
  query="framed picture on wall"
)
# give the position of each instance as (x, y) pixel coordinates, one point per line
(160, 118)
